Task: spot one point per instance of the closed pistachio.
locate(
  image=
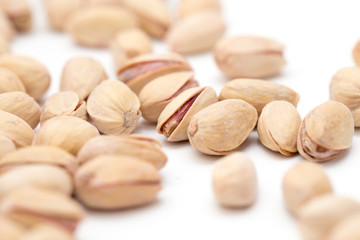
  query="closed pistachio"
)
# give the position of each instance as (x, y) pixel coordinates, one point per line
(67, 132)
(9, 82)
(234, 181)
(175, 118)
(221, 128)
(194, 34)
(10, 230)
(278, 127)
(326, 132)
(66, 103)
(7, 30)
(4, 45)
(347, 229)
(46, 232)
(139, 71)
(114, 108)
(19, 13)
(258, 92)
(6, 146)
(356, 53)
(303, 182)
(115, 182)
(82, 75)
(189, 7)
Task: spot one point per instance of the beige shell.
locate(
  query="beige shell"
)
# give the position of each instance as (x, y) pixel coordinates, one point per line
(189, 7)
(6, 146)
(356, 53)
(258, 92)
(31, 72)
(115, 181)
(4, 45)
(21, 105)
(175, 118)
(234, 181)
(345, 88)
(9, 82)
(249, 57)
(67, 132)
(7, 30)
(303, 182)
(194, 34)
(46, 232)
(347, 229)
(319, 216)
(326, 132)
(278, 127)
(139, 71)
(142, 148)
(114, 108)
(95, 26)
(63, 104)
(19, 13)
(82, 75)
(221, 128)
(10, 230)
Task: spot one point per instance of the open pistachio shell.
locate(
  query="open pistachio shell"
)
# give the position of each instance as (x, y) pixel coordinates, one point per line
(356, 53)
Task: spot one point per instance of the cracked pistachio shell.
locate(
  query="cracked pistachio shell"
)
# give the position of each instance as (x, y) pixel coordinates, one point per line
(356, 53)
(249, 57)
(67, 132)
(10, 230)
(345, 88)
(221, 128)
(82, 75)
(21, 105)
(194, 34)
(278, 127)
(347, 229)
(6, 146)
(234, 181)
(63, 104)
(319, 216)
(9, 82)
(114, 108)
(19, 13)
(116, 181)
(46, 232)
(31, 72)
(139, 71)
(7, 30)
(303, 182)
(158, 93)
(326, 132)
(175, 118)
(189, 7)
(141, 147)
(258, 92)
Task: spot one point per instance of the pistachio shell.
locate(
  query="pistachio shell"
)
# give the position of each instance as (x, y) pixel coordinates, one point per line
(4, 45)
(278, 127)
(221, 128)
(9, 82)
(6, 28)
(10, 230)
(189, 7)
(46, 232)
(347, 229)
(356, 53)
(325, 132)
(114, 108)
(19, 13)
(258, 92)
(6, 146)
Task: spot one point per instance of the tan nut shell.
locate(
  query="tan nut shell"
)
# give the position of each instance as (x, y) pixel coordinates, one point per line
(258, 92)
(10, 230)
(278, 127)
(347, 229)
(194, 34)
(115, 181)
(189, 7)
(6, 146)
(82, 75)
(222, 127)
(356, 53)
(19, 13)
(234, 181)
(206, 96)
(9, 82)
(345, 88)
(114, 108)
(319, 216)
(7, 30)
(67, 132)
(46, 232)
(31, 72)
(21, 105)
(303, 182)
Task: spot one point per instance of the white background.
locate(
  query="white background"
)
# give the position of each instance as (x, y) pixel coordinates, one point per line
(319, 36)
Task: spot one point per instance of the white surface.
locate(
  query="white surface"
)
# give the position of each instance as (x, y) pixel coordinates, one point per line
(319, 36)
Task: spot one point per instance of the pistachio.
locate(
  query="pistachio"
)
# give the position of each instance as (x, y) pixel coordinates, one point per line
(356, 53)
(142, 148)
(46, 232)
(21, 105)
(345, 88)
(175, 118)
(18, 11)
(10, 230)
(278, 127)
(34, 206)
(6, 146)
(189, 7)
(63, 104)
(95, 26)
(82, 75)
(4, 45)
(194, 34)
(158, 93)
(6, 28)
(258, 92)
(9, 82)
(325, 132)
(303, 182)
(234, 181)
(221, 128)
(347, 229)
(320, 215)
(139, 71)
(115, 181)
(114, 108)
(249, 57)
(32, 73)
